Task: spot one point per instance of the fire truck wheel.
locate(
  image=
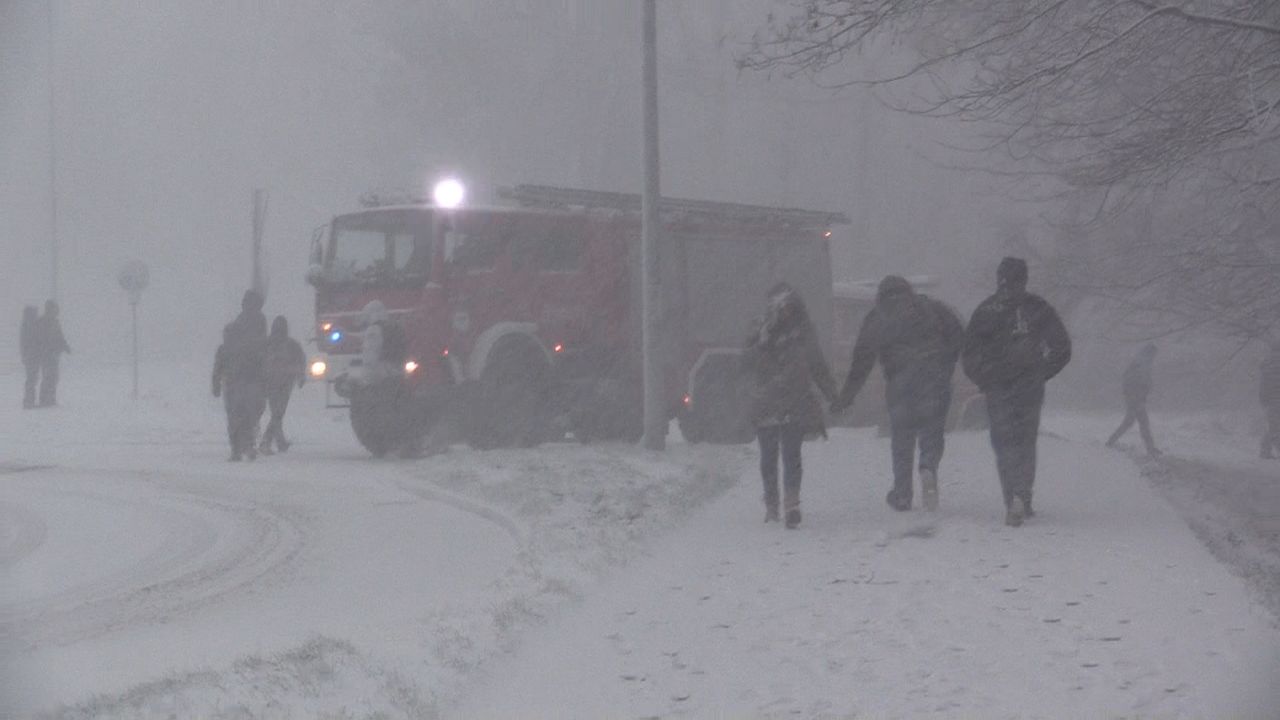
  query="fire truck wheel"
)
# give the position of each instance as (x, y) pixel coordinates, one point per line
(720, 413)
(690, 429)
(612, 411)
(376, 418)
(511, 404)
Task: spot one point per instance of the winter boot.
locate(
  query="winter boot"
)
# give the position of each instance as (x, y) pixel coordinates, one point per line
(897, 502)
(1016, 512)
(771, 513)
(929, 489)
(793, 518)
(264, 448)
(792, 504)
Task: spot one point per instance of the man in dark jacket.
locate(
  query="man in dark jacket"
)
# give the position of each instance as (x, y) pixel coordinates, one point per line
(1015, 342)
(783, 361)
(285, 365)
(238, 375)
(1269, 394)
(917, 340)
(52, 344)
(1136, 385)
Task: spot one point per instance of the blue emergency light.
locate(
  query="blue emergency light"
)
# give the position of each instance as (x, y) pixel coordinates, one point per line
(335, 337)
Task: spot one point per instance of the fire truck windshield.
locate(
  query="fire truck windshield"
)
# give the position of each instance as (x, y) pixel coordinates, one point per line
(382, 247)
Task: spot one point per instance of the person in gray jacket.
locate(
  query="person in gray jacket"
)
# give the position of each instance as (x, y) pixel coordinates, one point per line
(917, 340)
(1136, 386)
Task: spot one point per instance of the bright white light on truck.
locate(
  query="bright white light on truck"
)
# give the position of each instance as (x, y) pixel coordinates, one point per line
(318, 368)
(411, 367)
(335, 337)
(449, 193)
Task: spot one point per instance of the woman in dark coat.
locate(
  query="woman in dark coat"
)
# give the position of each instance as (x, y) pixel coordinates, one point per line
(285, 365)
(784, 361)
(29, 346)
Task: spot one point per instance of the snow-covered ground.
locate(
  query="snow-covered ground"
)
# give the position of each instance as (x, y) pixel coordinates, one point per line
(144, 576)
(1103, 605)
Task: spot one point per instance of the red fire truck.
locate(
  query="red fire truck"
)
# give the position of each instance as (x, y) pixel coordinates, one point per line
(523, 320)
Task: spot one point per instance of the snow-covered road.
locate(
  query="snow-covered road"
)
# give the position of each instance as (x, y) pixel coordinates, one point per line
(129, 560)
(142, 574)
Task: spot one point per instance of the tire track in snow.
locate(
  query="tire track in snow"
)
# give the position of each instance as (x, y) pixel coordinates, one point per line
(222, 549)
(21, 532)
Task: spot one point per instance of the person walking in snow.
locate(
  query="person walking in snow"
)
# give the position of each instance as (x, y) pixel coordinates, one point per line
(238, 375)
(30, 350)
(917, 340)
(1136, 385)
(52, 344)
(1014, 343)
(1269, 394)
(285, 365)
(783, 362)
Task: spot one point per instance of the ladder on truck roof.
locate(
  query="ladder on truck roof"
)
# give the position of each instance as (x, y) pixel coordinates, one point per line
(545, 196)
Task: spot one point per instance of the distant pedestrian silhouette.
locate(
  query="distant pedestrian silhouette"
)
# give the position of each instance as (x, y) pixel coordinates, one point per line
(29, 348)
(1136, 385)
(52, 344)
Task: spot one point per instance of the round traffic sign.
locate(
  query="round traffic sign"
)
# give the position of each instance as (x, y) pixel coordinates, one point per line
(134, 276)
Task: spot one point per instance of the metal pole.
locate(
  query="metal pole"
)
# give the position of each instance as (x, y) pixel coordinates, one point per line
(655, 414)
(259, 211)
(53, 165)
(133, 310)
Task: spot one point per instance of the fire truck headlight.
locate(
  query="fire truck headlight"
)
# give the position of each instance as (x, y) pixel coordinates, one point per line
(410, 367)
(318, 368)
(449, 193)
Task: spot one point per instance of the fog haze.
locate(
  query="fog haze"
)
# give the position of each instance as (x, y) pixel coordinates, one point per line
(168, 115)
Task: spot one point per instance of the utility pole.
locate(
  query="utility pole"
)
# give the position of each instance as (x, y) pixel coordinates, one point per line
(655, 414)
(53, 161)
(258, 281)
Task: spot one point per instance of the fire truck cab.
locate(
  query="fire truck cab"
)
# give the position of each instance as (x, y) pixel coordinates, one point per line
(522, 320)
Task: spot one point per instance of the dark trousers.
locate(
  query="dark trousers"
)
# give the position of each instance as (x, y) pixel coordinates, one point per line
(1271, 436)
(1135, 411)
(278, 401)
(29, 390)
(919, 413)
(49, 381)
(244, 402)
(1015, 425)
(788, 438)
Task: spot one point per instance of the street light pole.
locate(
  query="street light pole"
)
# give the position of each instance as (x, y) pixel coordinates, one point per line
(53, 163)
(655, 415)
